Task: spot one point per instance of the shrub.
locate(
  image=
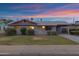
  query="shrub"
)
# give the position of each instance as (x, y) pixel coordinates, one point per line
(74, 32)
(23, 31)
(31, 32)
(10, 31)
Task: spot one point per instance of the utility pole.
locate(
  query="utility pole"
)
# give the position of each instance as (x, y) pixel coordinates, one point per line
(41, 20)
(73, 21)
(32, 19)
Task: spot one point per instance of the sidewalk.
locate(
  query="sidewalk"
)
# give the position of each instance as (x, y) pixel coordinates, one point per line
(71, 37)
(39, 50)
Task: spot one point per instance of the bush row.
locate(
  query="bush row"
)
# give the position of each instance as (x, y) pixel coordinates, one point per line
(24, 31)
(10, 31)
(74, 32)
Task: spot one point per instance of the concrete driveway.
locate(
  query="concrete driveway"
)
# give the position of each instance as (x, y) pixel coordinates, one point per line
(70, 37)
(39, 50)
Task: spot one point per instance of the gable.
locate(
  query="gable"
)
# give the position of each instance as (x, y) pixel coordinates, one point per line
(23, 23)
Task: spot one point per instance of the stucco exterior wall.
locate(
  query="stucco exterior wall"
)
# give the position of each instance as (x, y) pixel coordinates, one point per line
(54, 28)
(38, 29)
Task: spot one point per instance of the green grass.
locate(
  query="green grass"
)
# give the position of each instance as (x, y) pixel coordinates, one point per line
(35, 40)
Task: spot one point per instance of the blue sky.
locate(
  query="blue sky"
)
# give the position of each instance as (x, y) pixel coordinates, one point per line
(26, 8)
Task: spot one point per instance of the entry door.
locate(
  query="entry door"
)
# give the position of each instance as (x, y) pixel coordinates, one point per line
(48, 28)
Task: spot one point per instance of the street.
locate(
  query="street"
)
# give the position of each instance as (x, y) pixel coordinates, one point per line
(39, 50)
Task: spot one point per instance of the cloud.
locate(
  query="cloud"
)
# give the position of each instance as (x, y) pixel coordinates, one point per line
(31, 8)
(27, 7)
(68, 10)
(62, 13)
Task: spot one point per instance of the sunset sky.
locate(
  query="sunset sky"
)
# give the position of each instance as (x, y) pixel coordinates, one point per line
(27, 10)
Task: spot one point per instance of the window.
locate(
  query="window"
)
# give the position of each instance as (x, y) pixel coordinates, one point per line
(48, 28)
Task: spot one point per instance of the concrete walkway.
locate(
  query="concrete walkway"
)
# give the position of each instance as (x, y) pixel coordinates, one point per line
(71, 37)
(39, 50)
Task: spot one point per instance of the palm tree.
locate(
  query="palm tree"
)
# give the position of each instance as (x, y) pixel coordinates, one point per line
(32, 19)
(41, 19)
(7, 21)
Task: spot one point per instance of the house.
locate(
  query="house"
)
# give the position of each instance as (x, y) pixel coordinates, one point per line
(38, 27)
(2, 25)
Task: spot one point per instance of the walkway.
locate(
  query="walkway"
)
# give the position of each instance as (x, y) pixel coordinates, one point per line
(71, 37)
(39, 50)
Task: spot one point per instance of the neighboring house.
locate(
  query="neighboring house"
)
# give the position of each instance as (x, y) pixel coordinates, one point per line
(39, 27)
(2, 25)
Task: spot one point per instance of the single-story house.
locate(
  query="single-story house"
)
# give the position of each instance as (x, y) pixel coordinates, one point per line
(38, 27)
(2, 25)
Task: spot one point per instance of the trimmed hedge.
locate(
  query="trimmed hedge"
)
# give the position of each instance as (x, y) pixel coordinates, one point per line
(10, 31)
(23, 31)
(31, 32)
(74, 32)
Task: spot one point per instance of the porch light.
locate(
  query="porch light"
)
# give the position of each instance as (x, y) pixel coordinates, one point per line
(43, 27)
(32, 27)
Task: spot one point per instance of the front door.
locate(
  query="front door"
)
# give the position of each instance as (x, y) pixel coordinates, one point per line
(48, 28)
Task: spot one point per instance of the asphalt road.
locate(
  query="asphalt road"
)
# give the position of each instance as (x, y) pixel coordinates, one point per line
(39, 50)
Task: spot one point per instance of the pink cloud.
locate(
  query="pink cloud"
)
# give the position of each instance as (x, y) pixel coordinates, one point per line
(57, 12)
(62, 13)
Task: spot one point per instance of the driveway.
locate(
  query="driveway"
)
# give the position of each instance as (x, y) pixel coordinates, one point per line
(39, 50)
(71, 37)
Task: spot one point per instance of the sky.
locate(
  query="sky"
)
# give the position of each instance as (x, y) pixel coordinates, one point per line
(39, 10)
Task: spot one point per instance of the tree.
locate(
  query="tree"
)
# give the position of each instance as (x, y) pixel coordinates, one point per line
(7, 21)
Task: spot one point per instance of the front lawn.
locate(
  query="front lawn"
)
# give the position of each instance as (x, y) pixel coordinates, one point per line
(35, 40)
